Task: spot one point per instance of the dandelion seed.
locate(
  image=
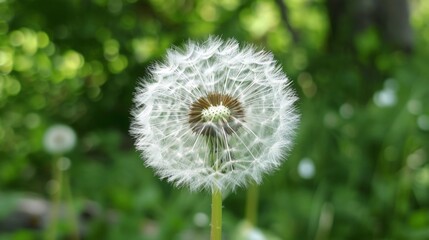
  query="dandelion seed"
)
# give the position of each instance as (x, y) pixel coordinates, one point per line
(214, 115)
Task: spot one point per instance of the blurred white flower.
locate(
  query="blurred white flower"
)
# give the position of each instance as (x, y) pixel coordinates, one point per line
(423, 122)
(255, 234)
(346, 110)
(306, 168)
(414, 106)
(59, 139)
(201, 219)
(246, 231)
(214, 115)
(387, 96)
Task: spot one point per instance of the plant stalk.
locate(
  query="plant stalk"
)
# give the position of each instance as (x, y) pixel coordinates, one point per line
(252, 204)
(216, 221)
(72, 218)
(51, 233)
(216, 218)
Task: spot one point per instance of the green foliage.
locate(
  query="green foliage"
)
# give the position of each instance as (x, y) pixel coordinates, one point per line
(365, 121)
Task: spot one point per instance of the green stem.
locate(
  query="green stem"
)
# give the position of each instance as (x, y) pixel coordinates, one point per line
(72, 218)
(216, 221)
(252, 204)
(55, 201)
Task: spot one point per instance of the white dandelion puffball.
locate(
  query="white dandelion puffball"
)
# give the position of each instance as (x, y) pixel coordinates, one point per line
(59, 139)
(214, 115)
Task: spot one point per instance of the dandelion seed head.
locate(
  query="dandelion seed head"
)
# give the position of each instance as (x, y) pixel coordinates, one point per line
(59, 139)
(214, 114)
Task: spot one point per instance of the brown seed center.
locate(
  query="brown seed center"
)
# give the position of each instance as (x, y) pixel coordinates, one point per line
(216, 115)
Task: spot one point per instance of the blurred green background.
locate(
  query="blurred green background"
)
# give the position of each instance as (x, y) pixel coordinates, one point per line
(359, 166)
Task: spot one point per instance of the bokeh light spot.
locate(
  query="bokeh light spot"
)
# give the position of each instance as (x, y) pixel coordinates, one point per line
(416, 159)
(70, 63)
(44, 65)
(16, 38)
(32, 120)
(423, 122)
(385, 98)
(414, 106)
(300, 59)
(309, 88)
(144, 48)
(42, 39)
(118, 64)
(94, 93)
(260, 19)
(111, 49)
(63, 163)
(29, 44)
(114, 6)
(422, 177)
(306, 168)
(12, 86)
(23, 63)
(331, 119)
(73, 60)
(6, 60)
(346, 110)
(208, 11)
(229, 4)
(201, 219)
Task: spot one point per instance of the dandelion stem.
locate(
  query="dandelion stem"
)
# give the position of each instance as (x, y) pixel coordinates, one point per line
(72, 218)
(56, 198)
(252, 204)
(216, 221)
